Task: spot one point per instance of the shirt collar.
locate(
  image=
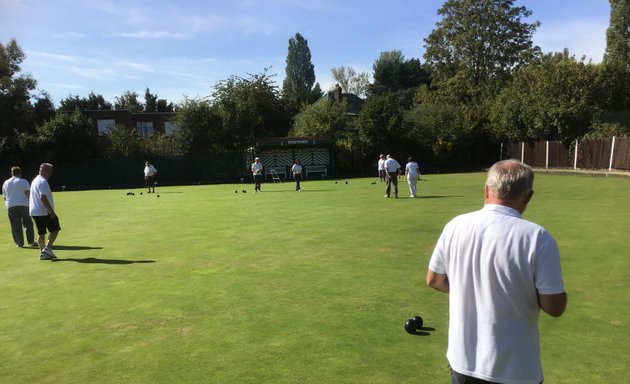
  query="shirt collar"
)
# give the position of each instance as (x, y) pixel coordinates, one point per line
(502, 209)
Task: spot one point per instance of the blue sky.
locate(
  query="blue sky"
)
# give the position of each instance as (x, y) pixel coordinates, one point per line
(181, 48)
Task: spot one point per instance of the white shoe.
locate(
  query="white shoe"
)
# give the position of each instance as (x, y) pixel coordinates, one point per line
(48, 252)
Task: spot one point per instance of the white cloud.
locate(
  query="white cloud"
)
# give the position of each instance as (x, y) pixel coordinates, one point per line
(151, 35)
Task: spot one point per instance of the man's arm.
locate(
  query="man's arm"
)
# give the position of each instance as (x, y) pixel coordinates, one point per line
(437, 281)
(49, 207)
(553, 305)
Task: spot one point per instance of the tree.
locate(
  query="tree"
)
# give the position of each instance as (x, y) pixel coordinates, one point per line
(129, 101)
(326, 118)
(16, 110)
(300, 73)
(618, 34)
(380, 124)
(394, 74)
(92, 102)
(43, 108)
(552, 100)
(164, 106)
(249, 108)
(475, 47)
(69, 136)
(150, 101)
(615, 77)
(316, 93)
(350, 80)
(124, 141)
(199, 128)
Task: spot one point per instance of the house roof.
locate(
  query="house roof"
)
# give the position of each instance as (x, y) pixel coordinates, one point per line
(355, 103)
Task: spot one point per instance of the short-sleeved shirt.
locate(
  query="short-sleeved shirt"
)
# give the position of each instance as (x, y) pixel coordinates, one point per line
(496, 262)
(257, 168)
(14, 192)
(149, 171)
(381, 164)
(391, 165)
(412, 169)
(39, 188)
(297, 168)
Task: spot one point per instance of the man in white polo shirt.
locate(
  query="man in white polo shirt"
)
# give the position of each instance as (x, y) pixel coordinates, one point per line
(392, 170)
(42, 209)
(15, 192)
(499, 271)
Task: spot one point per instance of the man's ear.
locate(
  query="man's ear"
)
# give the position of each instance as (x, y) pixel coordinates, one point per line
(486, 191)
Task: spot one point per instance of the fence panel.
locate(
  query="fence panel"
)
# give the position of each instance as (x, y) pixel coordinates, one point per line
(594, 154)
(621, 159)
(559, 155)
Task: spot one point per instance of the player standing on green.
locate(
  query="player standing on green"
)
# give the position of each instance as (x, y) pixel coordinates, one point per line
(257, 168)
(42, 209)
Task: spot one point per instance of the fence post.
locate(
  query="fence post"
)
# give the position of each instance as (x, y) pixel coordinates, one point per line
(547, 155)
(576, 152)
(612, 152)
(522, 151)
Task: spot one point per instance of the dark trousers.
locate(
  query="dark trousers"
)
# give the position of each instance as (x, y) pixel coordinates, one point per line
(297, 177)
(18, 217)
(257, 180)
(458, 378)
(392, 179)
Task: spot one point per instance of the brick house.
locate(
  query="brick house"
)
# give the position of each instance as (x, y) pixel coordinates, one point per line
(147, 123)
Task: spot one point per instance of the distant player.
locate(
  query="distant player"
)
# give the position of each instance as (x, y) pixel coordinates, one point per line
(392, 170)
(296, 169)
(257, 169)
(149, 176)
(412, 170)
(15, 192)
(381, 167)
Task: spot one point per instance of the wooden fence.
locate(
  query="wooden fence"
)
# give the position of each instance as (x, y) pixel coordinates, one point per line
(608, 154)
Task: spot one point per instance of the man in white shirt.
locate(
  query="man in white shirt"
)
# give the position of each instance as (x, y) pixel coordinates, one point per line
(392, 170)
(499, 271)
(412, 169)
(42, 209)
(257, 169)
(149, 176)
(296, 169)
(15, 192)
(381, 167)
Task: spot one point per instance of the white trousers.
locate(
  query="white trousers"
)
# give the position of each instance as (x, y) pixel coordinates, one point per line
(412, 180)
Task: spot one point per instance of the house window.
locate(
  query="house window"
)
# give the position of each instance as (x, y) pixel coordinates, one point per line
(105, 126)
(145, 128)
(169, 128)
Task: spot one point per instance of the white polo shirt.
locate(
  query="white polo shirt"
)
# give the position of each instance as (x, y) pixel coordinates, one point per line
(391, 165)
(14, 192)
(257, 168)
(40, 187)
(412, 169)
(495, 262)
(381, 164)
(149, 170)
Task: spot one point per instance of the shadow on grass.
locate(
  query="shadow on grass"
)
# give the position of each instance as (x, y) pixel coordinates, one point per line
(438, 196)
(94, 260)
(74, 247)
(303, 190)
(407, 198)
(424, 331)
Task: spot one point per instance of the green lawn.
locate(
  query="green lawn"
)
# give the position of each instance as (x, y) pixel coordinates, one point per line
(204, 285)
